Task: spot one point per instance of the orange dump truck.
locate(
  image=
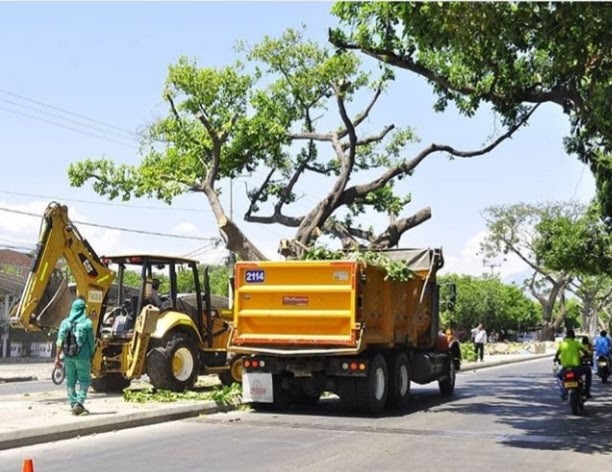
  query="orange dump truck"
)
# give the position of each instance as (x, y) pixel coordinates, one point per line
(306, 327)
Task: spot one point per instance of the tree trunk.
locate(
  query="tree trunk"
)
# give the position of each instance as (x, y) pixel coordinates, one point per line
(547, 333)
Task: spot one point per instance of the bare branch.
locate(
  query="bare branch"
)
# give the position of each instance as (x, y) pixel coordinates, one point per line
(363, 115)
(391, 236)
(405, 167)
(311, 136)
(372, 139)
(255, 197)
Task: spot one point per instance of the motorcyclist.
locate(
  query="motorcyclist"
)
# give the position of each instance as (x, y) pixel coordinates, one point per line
(603, 345)
(587, 356)
(569, 356)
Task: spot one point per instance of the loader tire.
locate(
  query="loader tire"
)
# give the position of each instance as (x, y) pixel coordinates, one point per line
(175, 364)
(234, 373)
(110, 383)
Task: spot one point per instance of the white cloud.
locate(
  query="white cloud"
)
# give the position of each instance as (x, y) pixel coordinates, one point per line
(470, 262)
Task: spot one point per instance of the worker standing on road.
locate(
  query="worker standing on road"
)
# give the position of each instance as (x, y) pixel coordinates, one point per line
(479, 335)
(76, 328)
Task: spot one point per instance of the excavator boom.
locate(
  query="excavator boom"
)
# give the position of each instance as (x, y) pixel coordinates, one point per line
(59, 238)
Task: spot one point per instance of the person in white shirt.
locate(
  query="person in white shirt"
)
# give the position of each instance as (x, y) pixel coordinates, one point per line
(479, 335)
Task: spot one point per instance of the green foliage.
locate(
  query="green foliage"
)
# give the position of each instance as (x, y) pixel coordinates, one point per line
(514, 228)
(219, 279)
(227, 395)
(468, 352)
(221, 395)
(582, 246)
(507, 54)
(394, 270)
(489, 301)
(573, 313)
(240, 119)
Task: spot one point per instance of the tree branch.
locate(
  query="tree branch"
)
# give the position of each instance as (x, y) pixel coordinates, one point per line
(371, 139)
(391, 236)
(531, 94)
(405, 167)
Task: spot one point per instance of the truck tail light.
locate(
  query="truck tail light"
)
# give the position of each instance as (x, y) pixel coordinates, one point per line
(354, 366)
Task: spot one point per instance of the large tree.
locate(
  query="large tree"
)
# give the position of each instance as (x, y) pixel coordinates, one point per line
(582, 247)
(507, 54)
(513, 229)
(264, 119)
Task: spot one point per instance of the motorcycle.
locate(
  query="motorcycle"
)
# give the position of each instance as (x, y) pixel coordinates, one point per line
(603, 368)
(574, 386)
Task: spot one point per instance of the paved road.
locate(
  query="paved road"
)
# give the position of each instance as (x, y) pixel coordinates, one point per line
(504, 418)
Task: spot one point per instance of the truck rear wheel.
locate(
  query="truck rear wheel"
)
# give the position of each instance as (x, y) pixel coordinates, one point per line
(447, 383)
(399, 380)
(175, 364)
(234, 373)
(109, 383)
(371, 392)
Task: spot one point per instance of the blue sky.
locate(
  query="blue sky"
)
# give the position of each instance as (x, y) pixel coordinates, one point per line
(108, 62)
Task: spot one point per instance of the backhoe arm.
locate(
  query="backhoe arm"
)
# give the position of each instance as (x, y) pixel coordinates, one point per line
(58, 238)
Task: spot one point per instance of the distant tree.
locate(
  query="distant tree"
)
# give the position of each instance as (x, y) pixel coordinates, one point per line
(573, 309)
(219, 279)
(595, 293)
(582, 246)
(224, 122)
(507, 54)
(512, 229)
(489, 301)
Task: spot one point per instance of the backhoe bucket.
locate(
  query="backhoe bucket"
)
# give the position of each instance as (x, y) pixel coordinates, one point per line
(54, 304)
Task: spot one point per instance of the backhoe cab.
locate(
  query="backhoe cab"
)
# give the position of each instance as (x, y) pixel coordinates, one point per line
(184, 335)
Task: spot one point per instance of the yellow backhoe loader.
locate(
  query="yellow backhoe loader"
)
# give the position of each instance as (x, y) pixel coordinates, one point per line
(173, 341)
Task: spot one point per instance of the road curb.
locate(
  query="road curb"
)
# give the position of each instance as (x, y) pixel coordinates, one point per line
(17, 379)
(90, 424)
(484, 365)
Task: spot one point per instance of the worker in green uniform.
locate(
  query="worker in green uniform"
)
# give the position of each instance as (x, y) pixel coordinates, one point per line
(77, 360)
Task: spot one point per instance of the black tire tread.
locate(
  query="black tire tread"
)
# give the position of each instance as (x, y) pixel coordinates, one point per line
(159, 362)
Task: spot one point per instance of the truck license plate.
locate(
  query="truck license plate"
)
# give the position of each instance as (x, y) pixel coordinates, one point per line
(257, 387)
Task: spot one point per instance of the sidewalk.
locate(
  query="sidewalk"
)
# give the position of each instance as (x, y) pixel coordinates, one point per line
(45, 417)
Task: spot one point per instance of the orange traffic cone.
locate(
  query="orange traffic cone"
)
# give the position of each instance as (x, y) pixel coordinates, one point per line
(28, 465)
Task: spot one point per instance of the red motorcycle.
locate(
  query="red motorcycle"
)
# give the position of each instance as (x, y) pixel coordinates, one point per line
(574, 386)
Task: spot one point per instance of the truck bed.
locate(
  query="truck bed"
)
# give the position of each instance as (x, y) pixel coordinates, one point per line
(331, 304)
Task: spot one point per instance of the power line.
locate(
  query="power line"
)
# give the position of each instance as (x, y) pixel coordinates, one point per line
(67, 127)
(89, 202)
(6, 92)
(133, 137)
(127, 230)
